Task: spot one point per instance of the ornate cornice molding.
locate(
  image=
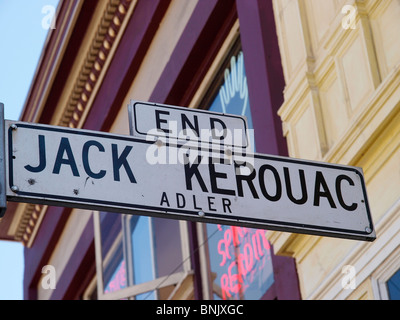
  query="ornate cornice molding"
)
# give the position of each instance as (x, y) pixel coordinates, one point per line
(92, 68)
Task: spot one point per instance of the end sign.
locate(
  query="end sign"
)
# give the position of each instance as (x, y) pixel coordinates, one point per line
(201, 127)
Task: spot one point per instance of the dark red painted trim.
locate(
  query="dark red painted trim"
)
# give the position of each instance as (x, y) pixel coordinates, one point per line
(223, 21)
(131, 50)
(286, 281)
(286, 284)
(264, 73)
(195, 260)
(194, 51)
(266, 85)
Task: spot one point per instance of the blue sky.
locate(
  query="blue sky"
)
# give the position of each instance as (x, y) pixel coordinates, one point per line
(24, 25)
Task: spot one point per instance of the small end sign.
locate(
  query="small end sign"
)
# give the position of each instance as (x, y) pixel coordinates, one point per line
(202, 127)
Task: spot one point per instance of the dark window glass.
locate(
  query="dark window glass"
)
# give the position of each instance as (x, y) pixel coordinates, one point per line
(167, 246)
(114, 266)
(150, 248)
(393, 286)
(156, 252)
(240, 261)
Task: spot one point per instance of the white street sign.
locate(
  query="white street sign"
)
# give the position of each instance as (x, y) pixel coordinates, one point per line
(150, 120)
(101, 171)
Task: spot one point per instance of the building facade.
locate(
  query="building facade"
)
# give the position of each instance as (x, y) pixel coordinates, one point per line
(341, 66)
(315, 81)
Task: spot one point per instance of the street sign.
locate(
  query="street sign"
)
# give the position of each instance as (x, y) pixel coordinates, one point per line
(3, 199)
(192, 126)
(107, 172)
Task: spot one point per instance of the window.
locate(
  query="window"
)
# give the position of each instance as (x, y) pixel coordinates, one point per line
(138, 257)
(393, 286)
(114, 264)
(385, 279)
(233, 95)
(240, 262)
(141, 253)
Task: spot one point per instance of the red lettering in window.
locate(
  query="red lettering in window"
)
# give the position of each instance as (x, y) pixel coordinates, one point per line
(244, 251)
(225, 287)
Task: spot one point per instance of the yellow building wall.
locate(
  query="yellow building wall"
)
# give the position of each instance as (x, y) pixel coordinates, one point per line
(341, 63)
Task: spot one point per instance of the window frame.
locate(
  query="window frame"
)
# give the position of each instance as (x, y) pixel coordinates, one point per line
(131, 291)
(382, 275)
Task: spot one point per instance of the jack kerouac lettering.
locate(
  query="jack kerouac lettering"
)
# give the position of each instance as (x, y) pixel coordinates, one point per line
(267, 182)
(66, 160)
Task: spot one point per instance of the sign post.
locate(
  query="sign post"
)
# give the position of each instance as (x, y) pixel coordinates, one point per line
(101, 171)
(3, 199)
